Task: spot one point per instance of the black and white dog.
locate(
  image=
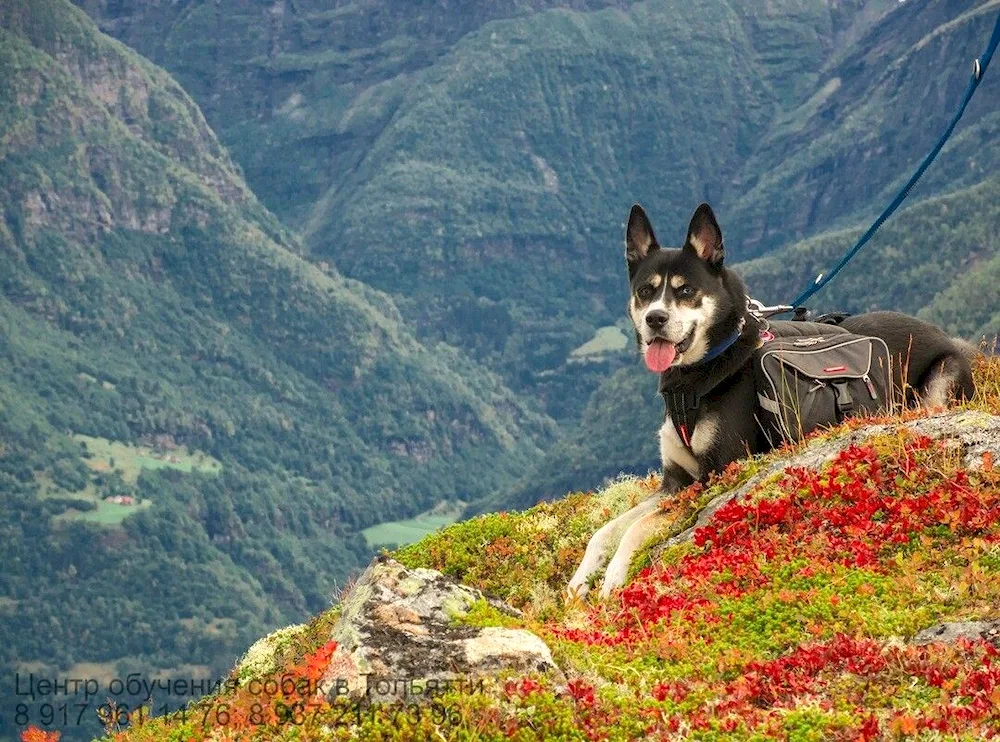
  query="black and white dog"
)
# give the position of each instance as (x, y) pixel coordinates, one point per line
(691, 318)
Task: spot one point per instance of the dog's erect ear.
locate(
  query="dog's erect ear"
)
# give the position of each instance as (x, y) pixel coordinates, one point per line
(639, 238)
(705, 237)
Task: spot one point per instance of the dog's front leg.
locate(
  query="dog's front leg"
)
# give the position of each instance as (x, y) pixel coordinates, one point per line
(603, 542)
(640, 530)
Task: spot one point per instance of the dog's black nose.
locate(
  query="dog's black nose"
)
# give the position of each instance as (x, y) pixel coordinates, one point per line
(656, 319)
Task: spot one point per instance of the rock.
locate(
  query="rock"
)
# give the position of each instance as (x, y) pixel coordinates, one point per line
(399, 637)
(972, 432)
(949, 633)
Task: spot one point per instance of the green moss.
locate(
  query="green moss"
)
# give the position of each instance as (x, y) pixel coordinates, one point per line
(264, 656)
(457, 605)
(813, 724)
(483, 615)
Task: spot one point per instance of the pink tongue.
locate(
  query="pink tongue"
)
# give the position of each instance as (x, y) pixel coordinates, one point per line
(659, 355)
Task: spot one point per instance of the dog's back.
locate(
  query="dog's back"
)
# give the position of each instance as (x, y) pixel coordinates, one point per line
(926, 361)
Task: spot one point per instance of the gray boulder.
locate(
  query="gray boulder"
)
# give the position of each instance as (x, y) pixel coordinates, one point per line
(400, 636)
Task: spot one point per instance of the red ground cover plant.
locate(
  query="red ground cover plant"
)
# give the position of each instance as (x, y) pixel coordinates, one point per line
(789, 615)
(826, 542)
(36, 734)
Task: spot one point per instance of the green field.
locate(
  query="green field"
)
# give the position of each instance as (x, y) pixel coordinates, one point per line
(103, 457)
(402, 532)
(107, 513)
(609, 339)
(130, 460)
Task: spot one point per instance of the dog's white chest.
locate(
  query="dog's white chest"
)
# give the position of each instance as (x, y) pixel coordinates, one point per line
(673, 450)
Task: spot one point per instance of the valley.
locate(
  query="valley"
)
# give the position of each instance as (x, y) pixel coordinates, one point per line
(281, 283)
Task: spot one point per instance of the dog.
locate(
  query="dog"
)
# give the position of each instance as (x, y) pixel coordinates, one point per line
(691, 317)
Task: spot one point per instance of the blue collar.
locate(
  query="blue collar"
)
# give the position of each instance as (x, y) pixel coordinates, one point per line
(721, 348)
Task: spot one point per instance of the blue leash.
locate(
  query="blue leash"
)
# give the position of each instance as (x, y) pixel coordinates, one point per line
(978, 71)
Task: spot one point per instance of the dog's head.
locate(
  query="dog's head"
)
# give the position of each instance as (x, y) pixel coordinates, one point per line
(682, 299)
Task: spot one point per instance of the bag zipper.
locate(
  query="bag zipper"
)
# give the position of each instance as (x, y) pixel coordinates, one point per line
(779, 351)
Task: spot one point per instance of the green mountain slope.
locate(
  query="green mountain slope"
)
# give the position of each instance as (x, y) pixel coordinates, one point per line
(464, 159)
(483, 173)
(933, 259)
(468, 159)
(300, 90)
(872, 115)
(161, 339)
(504, 175)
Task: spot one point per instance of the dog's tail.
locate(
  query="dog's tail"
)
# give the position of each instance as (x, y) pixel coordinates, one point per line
(967, 348)
(962, 383)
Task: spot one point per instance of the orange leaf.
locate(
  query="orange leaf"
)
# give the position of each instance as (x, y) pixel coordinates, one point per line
(905, 724)
(34, 734)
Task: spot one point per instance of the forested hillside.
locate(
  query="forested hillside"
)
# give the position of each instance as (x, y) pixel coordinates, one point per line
(388, 280)
(195, 422)
(464, 157)
(937, 259)
(874, 111)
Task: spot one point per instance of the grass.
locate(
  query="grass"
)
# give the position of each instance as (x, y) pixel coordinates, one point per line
(609, 339)
(103, 456)
(107, 513)
(411, 530)
(129, 460)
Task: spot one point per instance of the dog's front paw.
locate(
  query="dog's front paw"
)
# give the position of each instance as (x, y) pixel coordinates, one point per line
(575, 591)
(579, 586)
(638, 534)
(615, 576)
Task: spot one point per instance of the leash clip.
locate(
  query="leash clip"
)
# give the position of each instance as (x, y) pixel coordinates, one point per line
(762, 311)
(977, 70)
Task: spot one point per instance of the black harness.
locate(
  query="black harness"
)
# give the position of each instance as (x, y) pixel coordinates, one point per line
(682, 409)
(684, 387)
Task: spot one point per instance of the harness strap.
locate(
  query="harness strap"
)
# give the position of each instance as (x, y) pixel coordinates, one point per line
(683, 388)
(682, 409)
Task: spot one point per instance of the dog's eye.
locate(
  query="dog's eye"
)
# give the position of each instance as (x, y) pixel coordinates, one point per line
(685, 291)
(645, 292)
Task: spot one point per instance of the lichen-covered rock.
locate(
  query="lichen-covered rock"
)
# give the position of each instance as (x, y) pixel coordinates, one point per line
(401, 636)
(953, 631)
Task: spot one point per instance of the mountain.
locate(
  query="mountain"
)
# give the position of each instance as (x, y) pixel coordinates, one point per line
(844, 588)
(874, 111)
(935, 259)
(195, 421)
(299, 91)
(467, 158)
